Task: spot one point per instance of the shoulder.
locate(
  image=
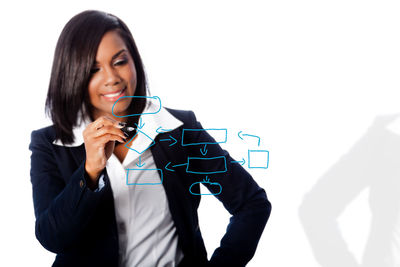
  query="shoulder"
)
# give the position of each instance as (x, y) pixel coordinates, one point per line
(186, 116)
(43, 135)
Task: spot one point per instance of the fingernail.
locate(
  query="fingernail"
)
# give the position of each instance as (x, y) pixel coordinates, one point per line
(122, 123)
(130, 129)
(124, 139)
(126, 134)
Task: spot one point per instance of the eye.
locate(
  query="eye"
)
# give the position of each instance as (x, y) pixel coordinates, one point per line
(120, 62)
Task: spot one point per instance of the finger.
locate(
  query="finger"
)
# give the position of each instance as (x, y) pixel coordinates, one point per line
(110, 130)
(102, 140)
(105, 121)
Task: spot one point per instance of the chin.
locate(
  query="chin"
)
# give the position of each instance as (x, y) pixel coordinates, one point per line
(121, 109)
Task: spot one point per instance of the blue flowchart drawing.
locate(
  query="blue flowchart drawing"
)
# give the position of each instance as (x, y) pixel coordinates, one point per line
(256, 158)
(151, 177)
(206, 181)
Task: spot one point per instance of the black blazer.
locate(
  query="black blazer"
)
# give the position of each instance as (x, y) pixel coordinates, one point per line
(79, 224)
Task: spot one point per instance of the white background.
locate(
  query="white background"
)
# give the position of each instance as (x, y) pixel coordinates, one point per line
(307, 77)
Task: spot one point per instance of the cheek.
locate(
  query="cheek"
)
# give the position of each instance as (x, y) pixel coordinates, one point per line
(131, 75)
(92, 95)
(93, 88)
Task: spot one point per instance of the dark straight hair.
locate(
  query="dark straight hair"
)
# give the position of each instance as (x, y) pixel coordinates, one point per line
(75, 54)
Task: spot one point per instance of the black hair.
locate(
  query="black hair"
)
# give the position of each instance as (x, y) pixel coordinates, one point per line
(74, 57)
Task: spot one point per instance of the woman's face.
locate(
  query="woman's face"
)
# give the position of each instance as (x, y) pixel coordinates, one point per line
(113, 76)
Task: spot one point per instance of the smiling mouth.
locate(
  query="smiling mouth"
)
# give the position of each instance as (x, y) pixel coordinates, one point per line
(114, 96)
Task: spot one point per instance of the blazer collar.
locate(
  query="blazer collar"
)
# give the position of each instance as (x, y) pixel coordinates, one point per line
(159, 120)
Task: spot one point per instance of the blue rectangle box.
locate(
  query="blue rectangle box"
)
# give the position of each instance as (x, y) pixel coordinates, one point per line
(150, 178)
(216, 162)
(216, 132)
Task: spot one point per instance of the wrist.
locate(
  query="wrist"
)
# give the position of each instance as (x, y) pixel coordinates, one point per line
(92, 174)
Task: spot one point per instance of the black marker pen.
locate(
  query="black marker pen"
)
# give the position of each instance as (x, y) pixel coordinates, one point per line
(127, 130)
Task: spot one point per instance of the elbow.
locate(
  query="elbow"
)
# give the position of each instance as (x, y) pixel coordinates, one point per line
(265, 205)
(48, 238)
(266, 211)
(269, 208)
(261, 208)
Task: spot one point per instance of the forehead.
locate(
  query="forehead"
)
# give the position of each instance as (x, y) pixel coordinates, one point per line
(110, 44)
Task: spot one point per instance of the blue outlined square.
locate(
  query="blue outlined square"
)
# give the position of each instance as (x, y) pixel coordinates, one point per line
(258, 159)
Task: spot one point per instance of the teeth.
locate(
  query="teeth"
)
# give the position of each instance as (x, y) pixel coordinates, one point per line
(114, 95)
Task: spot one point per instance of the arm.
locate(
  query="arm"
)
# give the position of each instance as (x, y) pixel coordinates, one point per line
(328, 198)
(244, 199)
(62, 210)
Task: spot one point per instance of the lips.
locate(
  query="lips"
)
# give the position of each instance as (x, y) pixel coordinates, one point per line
(113, 96)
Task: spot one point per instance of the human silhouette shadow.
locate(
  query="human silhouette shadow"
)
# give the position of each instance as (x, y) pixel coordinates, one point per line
(374, 163)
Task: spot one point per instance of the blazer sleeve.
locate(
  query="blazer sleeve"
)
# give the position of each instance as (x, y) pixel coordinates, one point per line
(243, 199)
(62, 210)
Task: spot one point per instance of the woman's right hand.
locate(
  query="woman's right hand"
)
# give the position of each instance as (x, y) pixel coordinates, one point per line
(99, 138)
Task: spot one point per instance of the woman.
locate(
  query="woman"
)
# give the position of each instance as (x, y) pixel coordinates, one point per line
(108, 197)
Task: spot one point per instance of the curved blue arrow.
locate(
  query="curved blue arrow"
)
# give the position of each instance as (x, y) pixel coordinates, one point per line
(259, 139)
(159, 129)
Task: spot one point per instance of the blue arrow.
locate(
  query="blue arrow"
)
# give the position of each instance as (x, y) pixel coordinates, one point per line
(140, 162)
(239, 135)
(177, 165)
(204, 149)
(140, 126)
(242, 162)
(259, 139)
(173, 166)
(172, 139)
(167, 166)
(160, 130)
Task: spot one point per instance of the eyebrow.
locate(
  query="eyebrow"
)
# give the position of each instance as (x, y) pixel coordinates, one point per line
(115, 56)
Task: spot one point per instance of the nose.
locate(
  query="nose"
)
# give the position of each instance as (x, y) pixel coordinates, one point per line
(111, 77)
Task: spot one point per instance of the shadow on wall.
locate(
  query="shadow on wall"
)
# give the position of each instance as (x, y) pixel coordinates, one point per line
(374, 162)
